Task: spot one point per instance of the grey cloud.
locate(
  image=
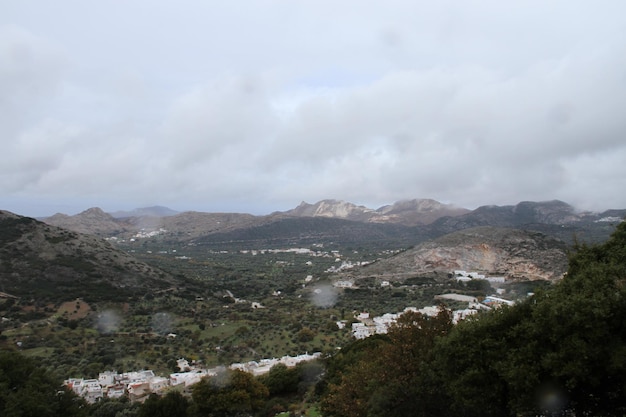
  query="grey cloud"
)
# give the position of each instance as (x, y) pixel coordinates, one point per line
(229, 113)
(472, 103)
(30, 73)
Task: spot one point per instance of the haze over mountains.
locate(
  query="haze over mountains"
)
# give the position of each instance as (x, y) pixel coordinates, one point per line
(416, 220)
(69, 253)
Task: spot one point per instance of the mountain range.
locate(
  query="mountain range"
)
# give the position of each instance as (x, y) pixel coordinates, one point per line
(67, 254)
(412, 221)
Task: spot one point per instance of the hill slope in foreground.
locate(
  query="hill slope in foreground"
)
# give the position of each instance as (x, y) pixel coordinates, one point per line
(43, 261)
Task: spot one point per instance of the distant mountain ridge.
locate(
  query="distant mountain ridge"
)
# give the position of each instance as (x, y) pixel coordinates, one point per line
(154, 211)
(92, 221)
(424, 218)
(407, 212)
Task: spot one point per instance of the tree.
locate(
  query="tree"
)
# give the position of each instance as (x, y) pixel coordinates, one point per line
(172, 404)
(29, 390)
(281, 380)
(114, 408)
(227, 394)
(561, 351)
(392, 378)
(305, 335)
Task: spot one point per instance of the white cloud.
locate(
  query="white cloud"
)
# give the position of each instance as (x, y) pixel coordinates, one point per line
(203, 105)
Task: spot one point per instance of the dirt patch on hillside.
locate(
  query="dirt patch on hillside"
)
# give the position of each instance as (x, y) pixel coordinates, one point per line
(74, 310)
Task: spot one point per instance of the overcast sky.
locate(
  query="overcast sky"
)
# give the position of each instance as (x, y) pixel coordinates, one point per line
(254, 106)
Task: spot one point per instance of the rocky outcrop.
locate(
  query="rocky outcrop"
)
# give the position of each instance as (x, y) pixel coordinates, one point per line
(416, 212)
(407, 212)
(331, 208)
(516, 254)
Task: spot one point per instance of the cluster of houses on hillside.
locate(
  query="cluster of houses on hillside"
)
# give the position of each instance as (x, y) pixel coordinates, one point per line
(139, 384)
(464, 276)
(367, 326)
(345, 265)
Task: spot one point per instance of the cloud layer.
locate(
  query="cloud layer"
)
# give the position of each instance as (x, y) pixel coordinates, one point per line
(217, 106)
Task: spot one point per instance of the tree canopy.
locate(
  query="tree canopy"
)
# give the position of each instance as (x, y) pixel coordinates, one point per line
(230, 393)
(27, 390)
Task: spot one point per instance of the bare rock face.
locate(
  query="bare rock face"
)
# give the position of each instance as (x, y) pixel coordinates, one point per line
(516, 254)
(330, 208)
(407, 212)
(416, 212)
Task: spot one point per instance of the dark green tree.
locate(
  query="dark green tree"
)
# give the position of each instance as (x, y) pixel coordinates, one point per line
(393, 377)
(28, 390)
(281, 380)
(172, 404)
(561, 351)
(230, 393)
(114, 408)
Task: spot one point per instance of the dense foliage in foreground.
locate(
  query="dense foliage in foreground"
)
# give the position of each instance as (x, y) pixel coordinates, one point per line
(560, 352)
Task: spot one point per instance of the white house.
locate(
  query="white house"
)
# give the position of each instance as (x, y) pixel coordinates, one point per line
(497, 301)
(183, 364)
(107, 378)
(116, 391)
(158, 384)
(91, 390)
(360, 331)
(459, 315)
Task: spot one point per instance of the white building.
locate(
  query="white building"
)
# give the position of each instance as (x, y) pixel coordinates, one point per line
(459, 315)
(360, 331)
(107, 378)
(183, 364)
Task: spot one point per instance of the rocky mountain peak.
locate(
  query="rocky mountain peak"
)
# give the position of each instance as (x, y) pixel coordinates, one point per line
(406, 212)
(418, 205)
(416, 211)
(329, 208)
(555, 211)
(91, 221)
(94, 213)
(154, 211)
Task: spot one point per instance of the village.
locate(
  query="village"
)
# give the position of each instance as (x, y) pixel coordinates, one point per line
(137, 385)
(367, 326)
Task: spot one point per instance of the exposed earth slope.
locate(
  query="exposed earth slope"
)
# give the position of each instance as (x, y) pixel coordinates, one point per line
(516, 254)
